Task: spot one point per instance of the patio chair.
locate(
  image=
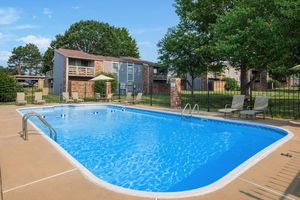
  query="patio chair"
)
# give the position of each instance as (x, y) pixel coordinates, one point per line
(98, 96)
(138, 97)
(76, 98)
(66, 97)
(21, 98)
(236, 105)
(38, 97)
(128, 97)
(261, 105)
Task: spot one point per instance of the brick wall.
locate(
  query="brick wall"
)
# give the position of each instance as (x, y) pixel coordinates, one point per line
(218, 85)
(84, 88)
(99, 66)
(160, 87)
(147, 78)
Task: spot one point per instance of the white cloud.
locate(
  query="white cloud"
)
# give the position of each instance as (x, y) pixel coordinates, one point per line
(25, 26)
(8, 16)
(41, 42)
(4, 56)
(75, 7)
(47, 12)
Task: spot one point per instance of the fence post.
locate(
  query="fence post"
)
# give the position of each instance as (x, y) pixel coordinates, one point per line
(32, 93)
(133, 91)
(208, 95)
(175, 89)
(119, 92)
(151, 93)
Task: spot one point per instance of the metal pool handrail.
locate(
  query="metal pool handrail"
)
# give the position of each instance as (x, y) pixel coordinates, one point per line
(196, 106)
(188, 105)
(25, 129)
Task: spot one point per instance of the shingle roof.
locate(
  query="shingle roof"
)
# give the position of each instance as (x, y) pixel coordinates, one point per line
(78, 54)
(83, 55)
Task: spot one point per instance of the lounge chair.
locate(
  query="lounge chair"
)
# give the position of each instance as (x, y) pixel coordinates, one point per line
(109, 97)
(76, 98)
(66, 97)
(98, 96)
(138, 97)
(128, 97)
(236, 105)
(38, 97)
(21, 98)
(261, 105)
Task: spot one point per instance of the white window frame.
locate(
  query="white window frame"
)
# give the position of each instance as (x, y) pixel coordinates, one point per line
(131, 64)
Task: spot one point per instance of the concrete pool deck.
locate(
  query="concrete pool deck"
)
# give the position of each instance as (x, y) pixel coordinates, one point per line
(34, 169)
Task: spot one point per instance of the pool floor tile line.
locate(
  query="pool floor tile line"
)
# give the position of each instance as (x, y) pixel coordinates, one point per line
(40, 180)
(265, 188)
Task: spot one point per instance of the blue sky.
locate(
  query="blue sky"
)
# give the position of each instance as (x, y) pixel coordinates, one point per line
(38, 21)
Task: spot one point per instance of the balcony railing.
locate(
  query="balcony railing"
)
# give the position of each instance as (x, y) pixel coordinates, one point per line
(160, 77)
(81, 71)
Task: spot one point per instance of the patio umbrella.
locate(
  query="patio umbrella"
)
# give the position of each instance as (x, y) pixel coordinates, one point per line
(296, 68)
(101, 78)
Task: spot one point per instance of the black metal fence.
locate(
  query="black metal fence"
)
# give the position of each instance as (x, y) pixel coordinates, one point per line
(284, 95)
(140, 94)
(214, 94)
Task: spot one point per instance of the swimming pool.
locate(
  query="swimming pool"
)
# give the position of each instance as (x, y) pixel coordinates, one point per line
(156, 152)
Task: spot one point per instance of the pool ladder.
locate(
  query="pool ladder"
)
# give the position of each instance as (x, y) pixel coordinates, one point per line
(25, 127)
(191, 111)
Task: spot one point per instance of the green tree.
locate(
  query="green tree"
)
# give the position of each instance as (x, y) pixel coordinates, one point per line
(180, 53)
(252, 36)
(96, 38)
(16, 60)
(25, 59)
(32, 59)
(47, 60)
(8, 87)
(186, 49)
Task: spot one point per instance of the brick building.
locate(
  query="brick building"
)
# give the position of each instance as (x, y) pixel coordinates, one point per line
(73, 71)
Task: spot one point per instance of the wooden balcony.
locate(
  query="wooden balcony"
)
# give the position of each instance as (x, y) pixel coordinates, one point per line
(81, 71)
(160, 77)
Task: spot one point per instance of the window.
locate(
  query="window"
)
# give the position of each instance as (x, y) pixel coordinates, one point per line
(115, 70)
(130, 72)
(79, 62)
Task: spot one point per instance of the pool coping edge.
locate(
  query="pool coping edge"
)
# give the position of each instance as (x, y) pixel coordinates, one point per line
(217, 185)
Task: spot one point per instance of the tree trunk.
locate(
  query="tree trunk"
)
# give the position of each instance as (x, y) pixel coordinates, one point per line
(245, 87)
(18, 67)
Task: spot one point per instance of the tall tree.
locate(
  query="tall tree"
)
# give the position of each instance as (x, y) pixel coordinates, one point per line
(25, 59)
(47, 60)
(16, 60)
(252, 36)
(33, 59)
(186, 49)
(180, 53)
(96, 38)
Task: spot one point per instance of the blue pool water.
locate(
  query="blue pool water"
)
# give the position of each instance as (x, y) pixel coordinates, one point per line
(153, 151)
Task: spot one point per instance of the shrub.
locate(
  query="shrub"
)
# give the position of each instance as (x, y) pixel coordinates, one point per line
(274, 83)
(99, 86)
(231, 83)
(8, 87)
